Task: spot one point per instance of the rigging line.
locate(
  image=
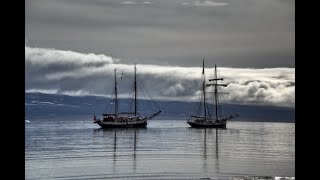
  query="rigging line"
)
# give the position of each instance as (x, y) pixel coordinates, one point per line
(147, 101)
(198, 111)
(217, 101)
(219, 109)
(208, 109)
(112, 97)
(152, 101)
(222, 97)
(147, 105)
(131, 101)
(139, 87)
(144, 93)
(211, 105)
(141, 90)
(220, 105)
(108, 103)
(212, 99)
(199, 104)
(145, 89)
(232, 110)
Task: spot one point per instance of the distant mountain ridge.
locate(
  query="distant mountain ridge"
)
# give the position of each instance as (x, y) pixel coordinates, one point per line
(40, 105)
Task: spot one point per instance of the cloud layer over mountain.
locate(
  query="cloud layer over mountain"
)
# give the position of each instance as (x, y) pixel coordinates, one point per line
(67, 72)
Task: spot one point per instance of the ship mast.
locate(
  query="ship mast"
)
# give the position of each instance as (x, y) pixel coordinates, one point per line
(204, 91)
(116, 94)
(215, 84)
(135, 90)
(216, 91)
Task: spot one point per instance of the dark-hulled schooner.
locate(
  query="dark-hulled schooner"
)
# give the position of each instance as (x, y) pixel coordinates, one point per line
(124, 119)
(210, 120)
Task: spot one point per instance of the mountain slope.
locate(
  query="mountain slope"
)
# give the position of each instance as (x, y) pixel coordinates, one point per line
(39, 105)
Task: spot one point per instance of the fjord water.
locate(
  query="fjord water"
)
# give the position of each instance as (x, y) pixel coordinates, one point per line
(75, 148)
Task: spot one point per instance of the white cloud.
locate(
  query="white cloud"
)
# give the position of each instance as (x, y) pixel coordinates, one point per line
(209, 3)
(133, 2)
(173, 90)
(70, 93)
(67, 72)
(46, 91)
(47, 57)
(128, 2)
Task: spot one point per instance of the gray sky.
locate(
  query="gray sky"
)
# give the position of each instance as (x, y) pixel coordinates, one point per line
(230, 33)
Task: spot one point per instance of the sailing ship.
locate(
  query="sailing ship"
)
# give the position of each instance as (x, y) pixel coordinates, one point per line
(124, 119)
(210, 120)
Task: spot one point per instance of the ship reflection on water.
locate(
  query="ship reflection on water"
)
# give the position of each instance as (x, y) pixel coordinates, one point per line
(126, 148)
(166, 149)
(161, 152)
(130, 138)
(208, 132)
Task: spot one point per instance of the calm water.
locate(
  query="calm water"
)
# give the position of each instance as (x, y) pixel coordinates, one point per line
(67, 148)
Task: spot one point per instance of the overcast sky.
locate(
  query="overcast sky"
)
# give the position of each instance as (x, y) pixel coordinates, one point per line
(231, 33)
(73, 46)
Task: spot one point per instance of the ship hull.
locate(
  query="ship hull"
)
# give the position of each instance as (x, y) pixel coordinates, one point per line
(207, 125)
(142, 124)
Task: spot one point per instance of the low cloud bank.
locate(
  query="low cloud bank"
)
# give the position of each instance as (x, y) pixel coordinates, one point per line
(67, 72)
